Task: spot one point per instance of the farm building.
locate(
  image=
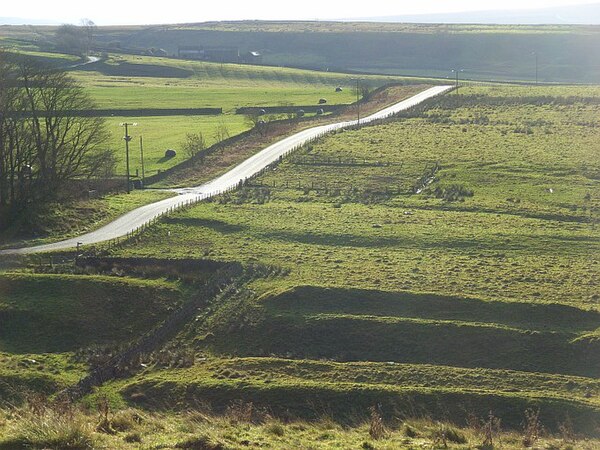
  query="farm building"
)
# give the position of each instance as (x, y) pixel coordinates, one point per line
(215, 54)
(190, 52)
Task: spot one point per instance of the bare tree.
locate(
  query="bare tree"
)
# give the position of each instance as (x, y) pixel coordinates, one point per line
(89, 27)
(221, 132)
(44, 144)
(71, 39)
(62, 142)
(193, 144)
(258, 122)
(16, 153)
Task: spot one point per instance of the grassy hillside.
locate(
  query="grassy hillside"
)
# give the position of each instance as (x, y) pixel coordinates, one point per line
(440, 265)
(60, 313)
(463, 236)
(57, 221)
(133, 82)
(146, 82)
(566, 53)
(53, 326)
(511, 214)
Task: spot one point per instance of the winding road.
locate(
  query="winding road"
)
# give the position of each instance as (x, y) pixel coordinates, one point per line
(142, 215)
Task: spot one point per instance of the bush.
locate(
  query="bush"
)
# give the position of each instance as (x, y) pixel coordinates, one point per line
(410, 431)
(452, 193)
(126, 420)
(200, 443)
(133, 437)
(445, 433)
(275, 428)
(50, 426)
(376, 426)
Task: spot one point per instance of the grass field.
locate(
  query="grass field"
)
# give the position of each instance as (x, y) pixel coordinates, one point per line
(440, 265)
(245, 426)
(124, 82)
(60, 313)
(490, 269)
(54, 324)
(543, 249)
(59, 221)
(162, 133)
(435, 267)
(134, 82)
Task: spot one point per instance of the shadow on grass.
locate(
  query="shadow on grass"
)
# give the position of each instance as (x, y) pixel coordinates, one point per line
(215, 225)
(356, 240)
(164, 159)
(539, 317)
(137, 70)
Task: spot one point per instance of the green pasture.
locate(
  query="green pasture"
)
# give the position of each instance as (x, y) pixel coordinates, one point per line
(162, 133)
(62, 313)
(58, 221)
(480, 291)
(379, 247)
(346, 390)
(528, 232)
(132, 82)
(507, 229)
(124, 82)
(446, 293)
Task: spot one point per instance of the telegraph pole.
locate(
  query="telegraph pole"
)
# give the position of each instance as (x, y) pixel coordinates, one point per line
(456, 71)
(357, 102)
(142, 155)
(127, 138)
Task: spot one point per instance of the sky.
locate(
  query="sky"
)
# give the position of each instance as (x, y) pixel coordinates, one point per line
(117, 12)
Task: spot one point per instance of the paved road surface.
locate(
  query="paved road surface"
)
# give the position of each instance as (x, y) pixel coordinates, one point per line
(90, 60)
(134, 219)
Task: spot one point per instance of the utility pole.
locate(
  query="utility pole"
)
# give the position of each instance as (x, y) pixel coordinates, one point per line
(357, 101)
(127, 138)
(456, 71)
(142, 155)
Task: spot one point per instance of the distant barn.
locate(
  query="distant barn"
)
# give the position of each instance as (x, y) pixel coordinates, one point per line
(190, 52)
(214, 54)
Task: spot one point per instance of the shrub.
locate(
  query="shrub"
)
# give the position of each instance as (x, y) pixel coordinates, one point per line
(56, 426)
(452, 193)
(445, 433)
(410, 431)
(200, 443)
(126, 420)
(239, 412)
(376, 426)
(532, 427)
(275, 428)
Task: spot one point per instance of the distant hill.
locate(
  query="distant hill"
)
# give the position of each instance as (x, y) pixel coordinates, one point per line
(566, 53)
(578, 15)
(503, 52)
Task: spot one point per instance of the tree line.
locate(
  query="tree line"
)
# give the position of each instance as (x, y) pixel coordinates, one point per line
(43, 149)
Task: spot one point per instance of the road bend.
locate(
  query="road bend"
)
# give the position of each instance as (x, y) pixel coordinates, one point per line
(134, 219)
